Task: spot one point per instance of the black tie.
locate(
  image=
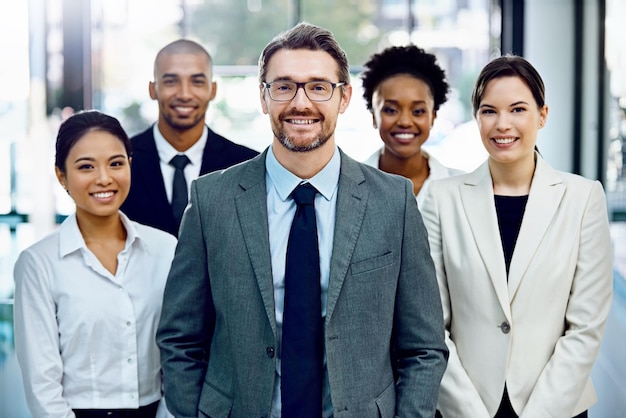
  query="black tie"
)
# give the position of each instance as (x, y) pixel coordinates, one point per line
(179, 190)
(302, 341)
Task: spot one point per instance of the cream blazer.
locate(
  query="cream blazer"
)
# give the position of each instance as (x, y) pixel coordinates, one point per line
(540, 331)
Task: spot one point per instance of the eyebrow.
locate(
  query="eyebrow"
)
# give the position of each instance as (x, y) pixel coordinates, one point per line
(412, 101)
(290, 79)
(511, 105)
(174, 75)
(113, 157)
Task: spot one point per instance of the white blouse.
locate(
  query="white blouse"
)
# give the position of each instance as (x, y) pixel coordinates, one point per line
(85, 338)
(437, 171)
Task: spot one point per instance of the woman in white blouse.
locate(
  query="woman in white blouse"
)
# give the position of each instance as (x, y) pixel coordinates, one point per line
(403, 87)
(88, 296)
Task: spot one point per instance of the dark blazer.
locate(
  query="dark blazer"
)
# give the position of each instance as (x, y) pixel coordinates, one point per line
(218, 335)
(147, 201)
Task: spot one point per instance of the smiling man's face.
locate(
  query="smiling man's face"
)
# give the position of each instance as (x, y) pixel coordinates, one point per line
(302, 125)
(183, 87)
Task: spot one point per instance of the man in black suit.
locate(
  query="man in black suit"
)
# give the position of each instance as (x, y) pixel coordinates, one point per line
(183, 88)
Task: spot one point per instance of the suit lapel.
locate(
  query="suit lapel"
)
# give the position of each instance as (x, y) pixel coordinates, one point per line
(212, 154)
(147, 176)
(479, 205)
(546, 192)
(251, 206)
(351, 202)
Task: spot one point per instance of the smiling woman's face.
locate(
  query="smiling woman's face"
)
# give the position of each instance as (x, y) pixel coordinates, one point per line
(403, 110)
(97, 174)
(509, 118)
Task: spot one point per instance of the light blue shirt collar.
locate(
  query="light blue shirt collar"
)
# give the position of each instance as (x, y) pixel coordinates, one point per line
(285, 181)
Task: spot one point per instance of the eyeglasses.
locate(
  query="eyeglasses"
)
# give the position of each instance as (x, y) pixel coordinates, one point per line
(316, 91)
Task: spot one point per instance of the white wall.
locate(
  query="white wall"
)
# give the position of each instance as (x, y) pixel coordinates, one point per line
(549, 46)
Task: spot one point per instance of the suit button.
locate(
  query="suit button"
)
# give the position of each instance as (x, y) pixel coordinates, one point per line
(505, 327)
(270, 352)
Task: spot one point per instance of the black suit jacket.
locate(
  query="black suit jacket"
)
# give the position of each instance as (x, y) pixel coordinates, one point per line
(147, 201)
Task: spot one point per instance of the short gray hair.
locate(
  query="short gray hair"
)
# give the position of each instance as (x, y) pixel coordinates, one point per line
(306, 36)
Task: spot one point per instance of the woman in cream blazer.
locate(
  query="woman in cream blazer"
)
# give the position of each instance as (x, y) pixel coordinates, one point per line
(524, 264)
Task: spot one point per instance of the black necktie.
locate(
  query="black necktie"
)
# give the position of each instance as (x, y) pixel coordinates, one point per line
(179, 190)
(302, 367)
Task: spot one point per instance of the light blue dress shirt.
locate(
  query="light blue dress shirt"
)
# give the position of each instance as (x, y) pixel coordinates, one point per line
(281, 209)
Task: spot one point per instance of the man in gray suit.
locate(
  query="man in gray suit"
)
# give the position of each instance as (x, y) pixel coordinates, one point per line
(225, 307)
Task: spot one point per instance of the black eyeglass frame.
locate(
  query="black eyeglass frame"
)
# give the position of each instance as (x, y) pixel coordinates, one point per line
(299, 86)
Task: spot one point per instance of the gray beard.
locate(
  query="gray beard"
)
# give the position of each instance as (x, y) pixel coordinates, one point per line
(291, 146)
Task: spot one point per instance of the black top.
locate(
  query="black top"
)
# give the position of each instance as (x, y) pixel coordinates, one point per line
(510, 211)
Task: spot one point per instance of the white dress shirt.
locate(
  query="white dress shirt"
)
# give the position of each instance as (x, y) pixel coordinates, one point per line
(281, 209)
(166, 152)
(437, 171)
(85, 338)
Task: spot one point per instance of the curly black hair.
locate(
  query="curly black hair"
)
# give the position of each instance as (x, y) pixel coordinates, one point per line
(410, 60)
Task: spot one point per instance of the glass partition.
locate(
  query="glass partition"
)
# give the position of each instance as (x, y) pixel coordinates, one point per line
(616, 64)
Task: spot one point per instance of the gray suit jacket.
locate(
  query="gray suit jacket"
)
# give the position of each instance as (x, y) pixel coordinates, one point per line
(384, 335)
